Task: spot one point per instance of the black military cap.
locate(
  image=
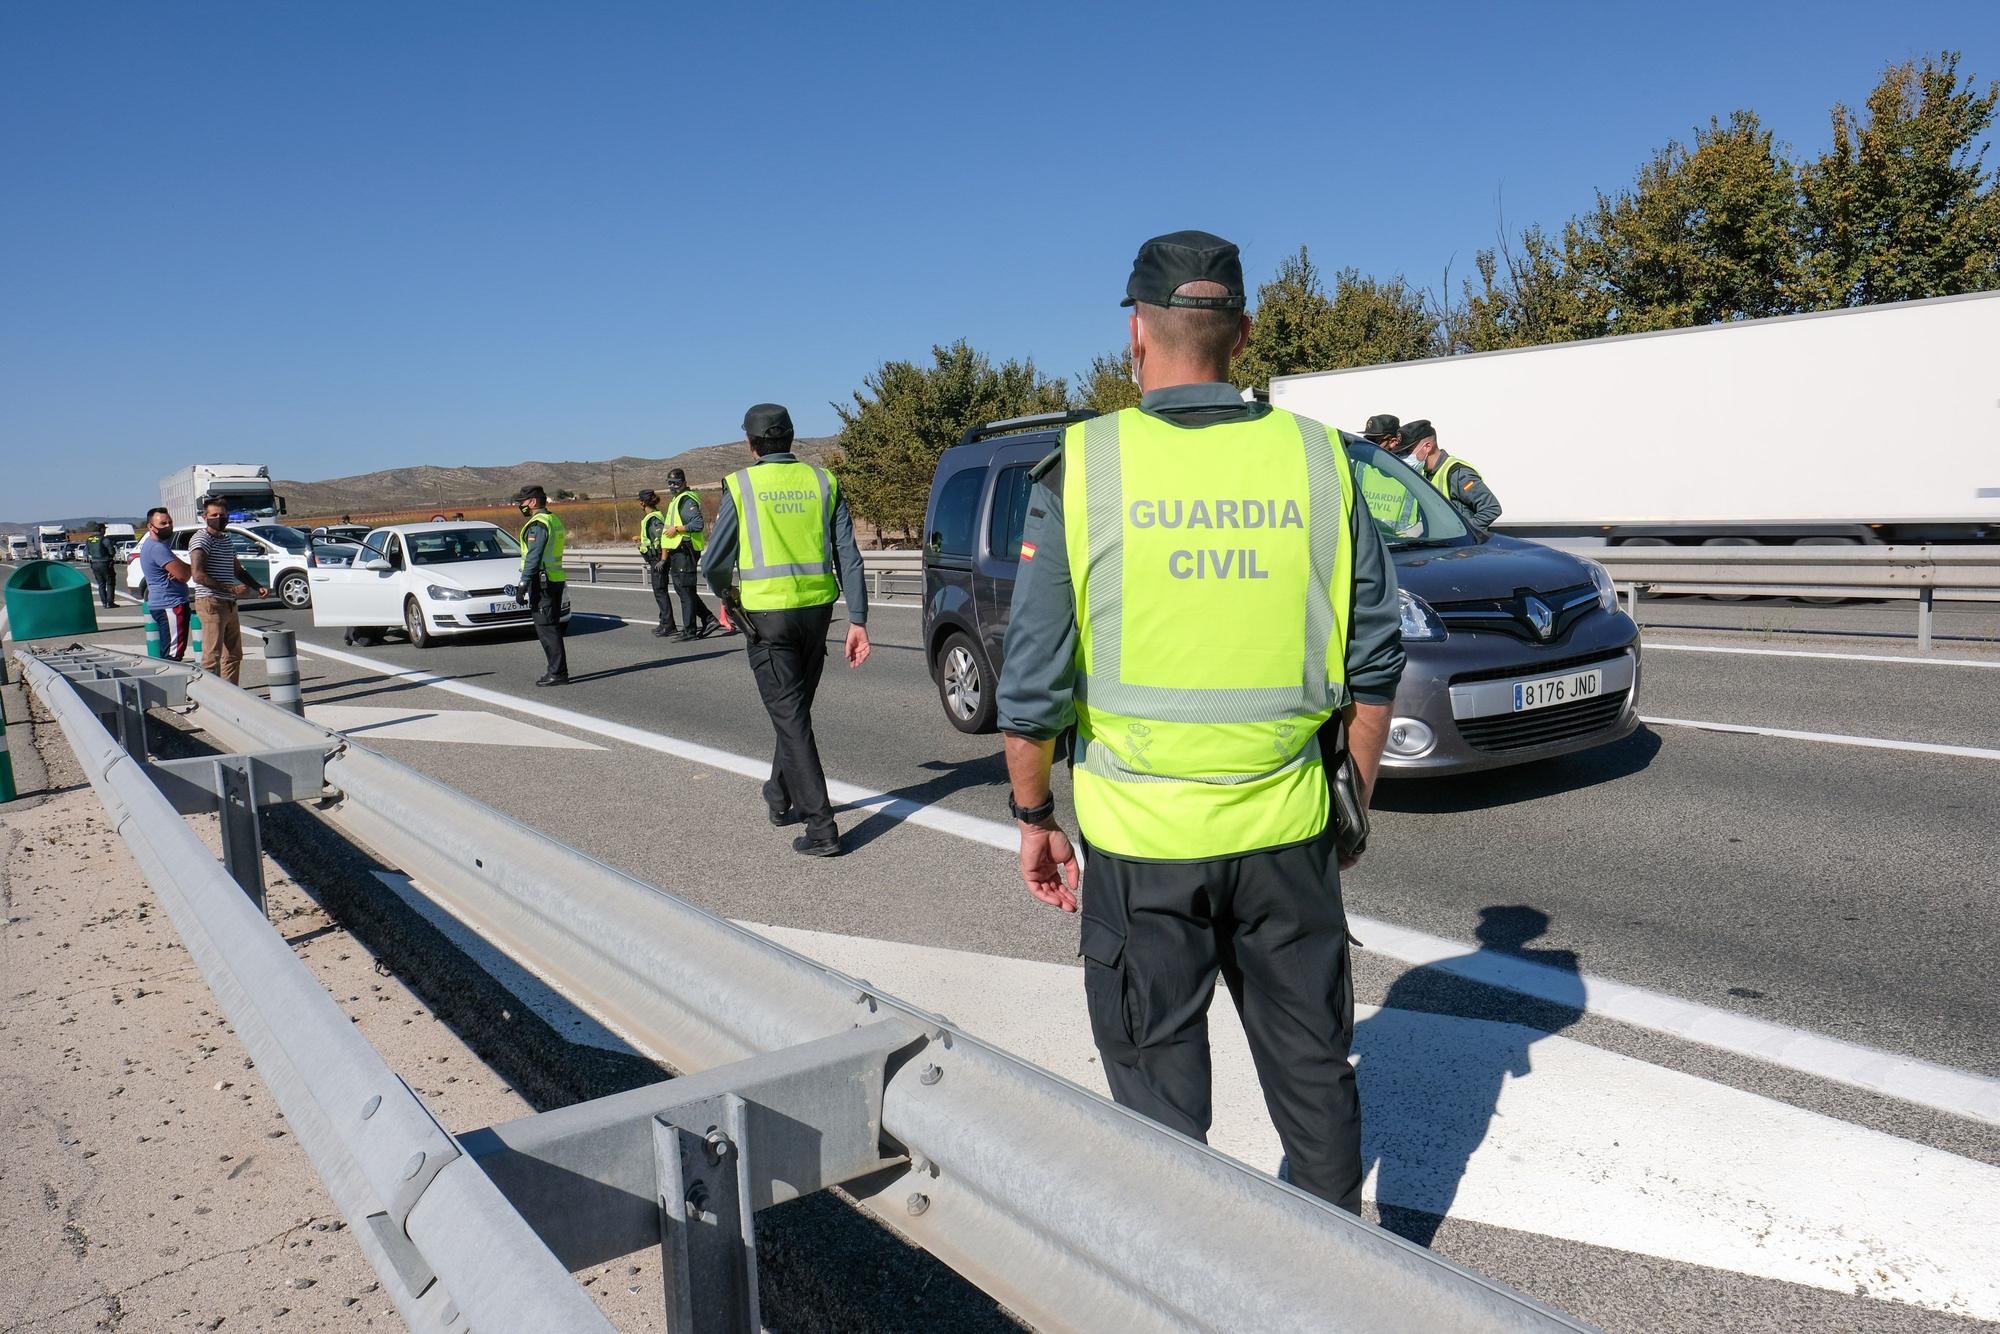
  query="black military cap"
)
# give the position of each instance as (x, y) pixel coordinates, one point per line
(537, 492)
(1382, 423)
(768, 421)
(1413, 434)
(677, 480)
(649, 495)
(1170, 261)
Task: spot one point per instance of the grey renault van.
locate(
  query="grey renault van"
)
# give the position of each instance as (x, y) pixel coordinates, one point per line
(1517, 651)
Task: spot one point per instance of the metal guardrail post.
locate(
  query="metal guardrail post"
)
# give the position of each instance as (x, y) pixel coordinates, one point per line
(1924, 620)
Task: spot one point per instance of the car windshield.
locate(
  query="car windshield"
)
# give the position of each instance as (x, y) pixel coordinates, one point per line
(1408, 511)
(450, 546)
(278, 535)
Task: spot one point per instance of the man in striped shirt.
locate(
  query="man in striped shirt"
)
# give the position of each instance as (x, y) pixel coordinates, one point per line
(212, 554)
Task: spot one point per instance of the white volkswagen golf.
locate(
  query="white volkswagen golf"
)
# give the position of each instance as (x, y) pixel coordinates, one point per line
(429, 579)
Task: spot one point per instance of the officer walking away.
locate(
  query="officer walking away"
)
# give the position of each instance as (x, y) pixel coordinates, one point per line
(652, 531)
(543, 581)
(97, 550)
(784, 538)
(683, 545)
(1201, 791)
(1453, 478)
(1382, 429)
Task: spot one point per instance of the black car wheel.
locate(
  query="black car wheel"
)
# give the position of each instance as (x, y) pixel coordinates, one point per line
(965, 685)
(294, 592)
(413, 622)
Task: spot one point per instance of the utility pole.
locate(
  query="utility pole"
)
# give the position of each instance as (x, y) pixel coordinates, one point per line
(616, 525)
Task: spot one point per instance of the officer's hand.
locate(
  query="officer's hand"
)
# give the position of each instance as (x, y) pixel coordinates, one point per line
(1048, 865)
(857, 645)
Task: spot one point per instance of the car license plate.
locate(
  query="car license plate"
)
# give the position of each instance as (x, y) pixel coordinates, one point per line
(507, 608)
(1552, 690)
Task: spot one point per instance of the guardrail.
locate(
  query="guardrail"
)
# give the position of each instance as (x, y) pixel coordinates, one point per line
(1075, 1213)
(1921, 574)
(895, 578)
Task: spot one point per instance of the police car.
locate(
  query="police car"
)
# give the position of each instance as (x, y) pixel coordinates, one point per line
(431, 580)
(1517, 651)
(270, 554)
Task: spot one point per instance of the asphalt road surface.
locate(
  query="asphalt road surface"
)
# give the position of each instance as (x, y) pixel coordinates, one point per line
(1598, 1068)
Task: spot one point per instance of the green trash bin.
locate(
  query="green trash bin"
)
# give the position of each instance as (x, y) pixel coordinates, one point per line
(46, 598)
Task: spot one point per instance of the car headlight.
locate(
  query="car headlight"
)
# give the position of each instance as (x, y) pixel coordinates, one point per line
(1607, 591)
(443, 594)
(1420, 623)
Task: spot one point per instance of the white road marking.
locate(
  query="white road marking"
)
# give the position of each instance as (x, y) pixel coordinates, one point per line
(473, 727)
(1513, 1127)
(1652, 647)
(579, 586)
(1832, 738)
(1958, 1092)
(554, 1009)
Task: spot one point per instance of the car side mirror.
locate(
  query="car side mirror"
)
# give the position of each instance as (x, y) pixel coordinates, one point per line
(380, 564)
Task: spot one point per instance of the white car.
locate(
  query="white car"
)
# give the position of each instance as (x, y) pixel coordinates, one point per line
(266, 553)
(431, 579)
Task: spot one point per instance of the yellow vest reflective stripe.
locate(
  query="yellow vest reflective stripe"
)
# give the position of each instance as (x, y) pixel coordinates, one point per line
(673, 540)
(645, 522)
(1440, 480)
(552, 558)
(1213, 570)
(784, 549)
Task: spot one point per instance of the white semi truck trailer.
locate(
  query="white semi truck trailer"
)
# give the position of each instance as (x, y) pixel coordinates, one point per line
(50, 539)
(244, 487)
(1880, 424)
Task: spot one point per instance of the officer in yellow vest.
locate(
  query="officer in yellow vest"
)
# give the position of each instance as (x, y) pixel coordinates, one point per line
(1453, 478)
(1200, 591)
(782, 550)
(543, 582)
(651, 541)
(681, 545)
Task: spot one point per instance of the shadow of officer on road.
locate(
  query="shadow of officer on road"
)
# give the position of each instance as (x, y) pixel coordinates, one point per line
(1431, 1078)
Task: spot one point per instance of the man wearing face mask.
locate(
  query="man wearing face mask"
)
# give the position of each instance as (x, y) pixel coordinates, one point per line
(1200, 787)
(543, 580)
(1453, 478)
(212, 556)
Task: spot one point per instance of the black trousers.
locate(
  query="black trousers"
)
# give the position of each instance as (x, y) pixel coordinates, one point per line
(548, 600)
(656, 577)
(1156, 934)
(102, 573)
(787, 652)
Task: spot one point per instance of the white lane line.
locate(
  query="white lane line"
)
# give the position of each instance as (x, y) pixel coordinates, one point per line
(1831, 738)
(1652, 647)
(1513, 1127)
(551, 1005)
(1957, 1092)
(470, 727)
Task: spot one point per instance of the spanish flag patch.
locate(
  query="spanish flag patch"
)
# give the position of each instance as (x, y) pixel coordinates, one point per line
(1027, 551)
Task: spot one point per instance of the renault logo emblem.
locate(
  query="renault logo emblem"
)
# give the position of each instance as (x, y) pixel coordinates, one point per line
(1539, 616)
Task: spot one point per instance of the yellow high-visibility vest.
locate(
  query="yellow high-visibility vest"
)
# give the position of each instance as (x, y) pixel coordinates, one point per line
(1213, 573)
(673, 540)
(784, 547)
(552, 558)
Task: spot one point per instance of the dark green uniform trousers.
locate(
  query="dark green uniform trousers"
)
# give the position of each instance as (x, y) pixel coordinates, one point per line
(1155, 936)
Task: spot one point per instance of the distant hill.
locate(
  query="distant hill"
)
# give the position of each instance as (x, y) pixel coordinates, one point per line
(461, 488)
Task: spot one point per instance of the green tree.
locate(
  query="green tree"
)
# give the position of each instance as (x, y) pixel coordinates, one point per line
(1901, 205)
(1707, 233)
(1107, 386)
(906, 415)
(1525, 296)
(1298, 326)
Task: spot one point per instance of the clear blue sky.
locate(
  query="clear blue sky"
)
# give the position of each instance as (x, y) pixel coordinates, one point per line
(338, 235)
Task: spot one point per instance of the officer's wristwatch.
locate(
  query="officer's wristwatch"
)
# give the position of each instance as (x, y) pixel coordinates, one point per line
(1031, 814)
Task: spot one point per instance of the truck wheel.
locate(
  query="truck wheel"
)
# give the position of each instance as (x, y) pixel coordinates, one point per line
(413, 622)
(1825, 542)
(1731, 542)
(294, 592)
(965, 685)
